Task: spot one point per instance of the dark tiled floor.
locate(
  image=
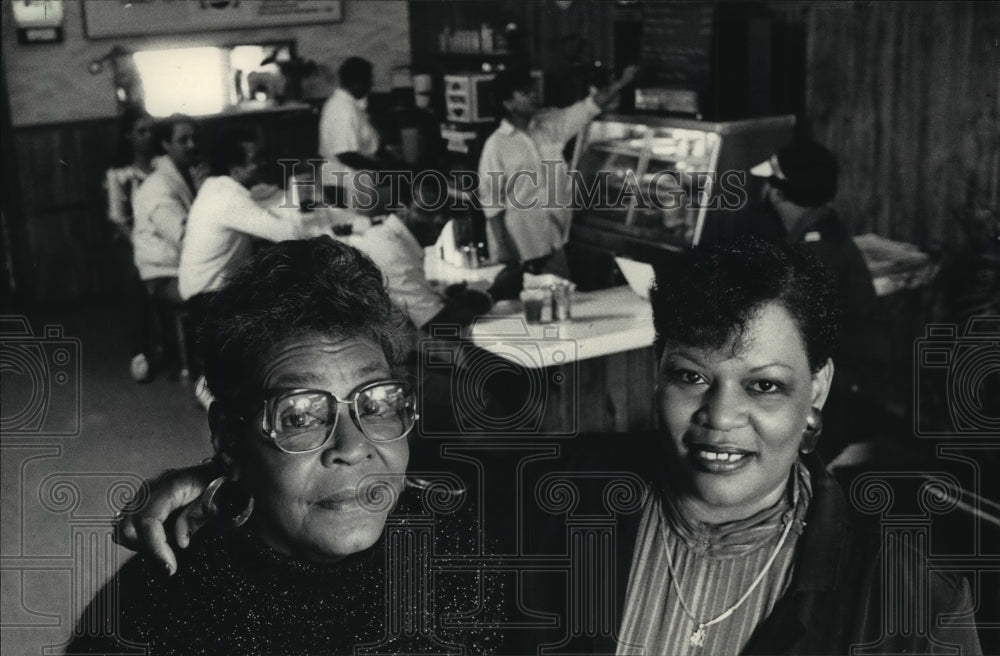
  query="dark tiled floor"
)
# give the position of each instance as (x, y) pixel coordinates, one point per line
(59, 493)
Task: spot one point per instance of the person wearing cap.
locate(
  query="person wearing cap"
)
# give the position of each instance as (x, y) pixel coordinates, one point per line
(525, 223)
(800, 185)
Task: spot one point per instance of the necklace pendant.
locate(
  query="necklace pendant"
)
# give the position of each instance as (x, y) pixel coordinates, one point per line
(698, 637)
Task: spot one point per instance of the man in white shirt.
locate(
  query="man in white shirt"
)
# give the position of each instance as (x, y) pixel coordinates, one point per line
(161, 206)
(225, 219)
(347, 140)
(524, 188)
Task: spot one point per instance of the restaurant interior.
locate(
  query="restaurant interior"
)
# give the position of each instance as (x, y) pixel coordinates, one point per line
(906, 95)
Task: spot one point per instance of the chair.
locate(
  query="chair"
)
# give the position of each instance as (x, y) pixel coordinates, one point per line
(181, 317)
(174, 322)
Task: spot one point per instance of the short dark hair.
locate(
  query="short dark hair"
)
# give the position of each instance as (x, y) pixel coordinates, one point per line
(354, 70)
(230, 151)
(706, 296)
(515, 78)
(165, 127)
(290, 289)
(130, 115)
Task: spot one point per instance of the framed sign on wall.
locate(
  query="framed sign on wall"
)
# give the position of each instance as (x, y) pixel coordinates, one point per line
(105, 19)
(38, 21)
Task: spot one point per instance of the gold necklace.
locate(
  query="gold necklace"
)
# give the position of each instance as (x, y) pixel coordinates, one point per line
(697, 638)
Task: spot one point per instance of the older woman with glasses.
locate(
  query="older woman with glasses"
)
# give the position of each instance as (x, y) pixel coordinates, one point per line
(743, 542)
(310, 428)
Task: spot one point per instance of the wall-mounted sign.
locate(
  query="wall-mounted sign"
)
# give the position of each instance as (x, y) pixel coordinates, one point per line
(38, 21)
(116, 18)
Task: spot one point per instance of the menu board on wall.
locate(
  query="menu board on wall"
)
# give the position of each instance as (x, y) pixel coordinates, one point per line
(677, 44)
(116, 18)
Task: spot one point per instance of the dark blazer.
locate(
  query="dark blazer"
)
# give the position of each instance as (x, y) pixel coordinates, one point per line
(836, 598)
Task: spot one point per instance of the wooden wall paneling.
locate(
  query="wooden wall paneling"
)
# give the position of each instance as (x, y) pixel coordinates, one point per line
(68, 260)
(922, 168)
(10, 203)
(63, 231)
(875, 185)
(64, 164)
(615, 393)
(982, 135)
(906, 95)
(886, 96)
(641, 374)
(864, 135)
(908, 160)
(940, 116)
(61, 224)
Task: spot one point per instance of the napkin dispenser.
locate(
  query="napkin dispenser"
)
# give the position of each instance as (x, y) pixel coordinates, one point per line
(447, 247)
(455, 247)
(639, 275)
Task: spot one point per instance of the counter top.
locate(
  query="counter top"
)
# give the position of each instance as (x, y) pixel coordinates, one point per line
(253, 108)
(604, 322)
(277, 203)
(894, 265)
(442, 272)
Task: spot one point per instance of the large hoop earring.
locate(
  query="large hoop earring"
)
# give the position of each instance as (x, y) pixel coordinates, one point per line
(814, 428)
(230, 497)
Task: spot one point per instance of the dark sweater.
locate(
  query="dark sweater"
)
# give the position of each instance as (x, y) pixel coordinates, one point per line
(234, 595)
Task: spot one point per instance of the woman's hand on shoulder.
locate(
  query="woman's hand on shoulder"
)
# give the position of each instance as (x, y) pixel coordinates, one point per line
(170, 505)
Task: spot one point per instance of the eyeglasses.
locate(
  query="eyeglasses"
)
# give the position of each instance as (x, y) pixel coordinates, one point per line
(302, 420)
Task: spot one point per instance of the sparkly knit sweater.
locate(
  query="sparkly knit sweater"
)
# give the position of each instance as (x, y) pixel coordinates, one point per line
(232, 594)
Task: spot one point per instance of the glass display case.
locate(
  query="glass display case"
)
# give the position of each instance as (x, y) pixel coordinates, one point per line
(645, 183)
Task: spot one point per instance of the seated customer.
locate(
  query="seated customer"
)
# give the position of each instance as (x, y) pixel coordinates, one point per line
(225, 219)
(397, 243)
(310, 434)
(161, 207)
(136, 162)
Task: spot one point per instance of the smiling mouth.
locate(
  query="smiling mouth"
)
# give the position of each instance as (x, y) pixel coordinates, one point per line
(718, 459)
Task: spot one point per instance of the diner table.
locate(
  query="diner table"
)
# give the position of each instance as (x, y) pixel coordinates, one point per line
(341, 223)
(597, 369)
